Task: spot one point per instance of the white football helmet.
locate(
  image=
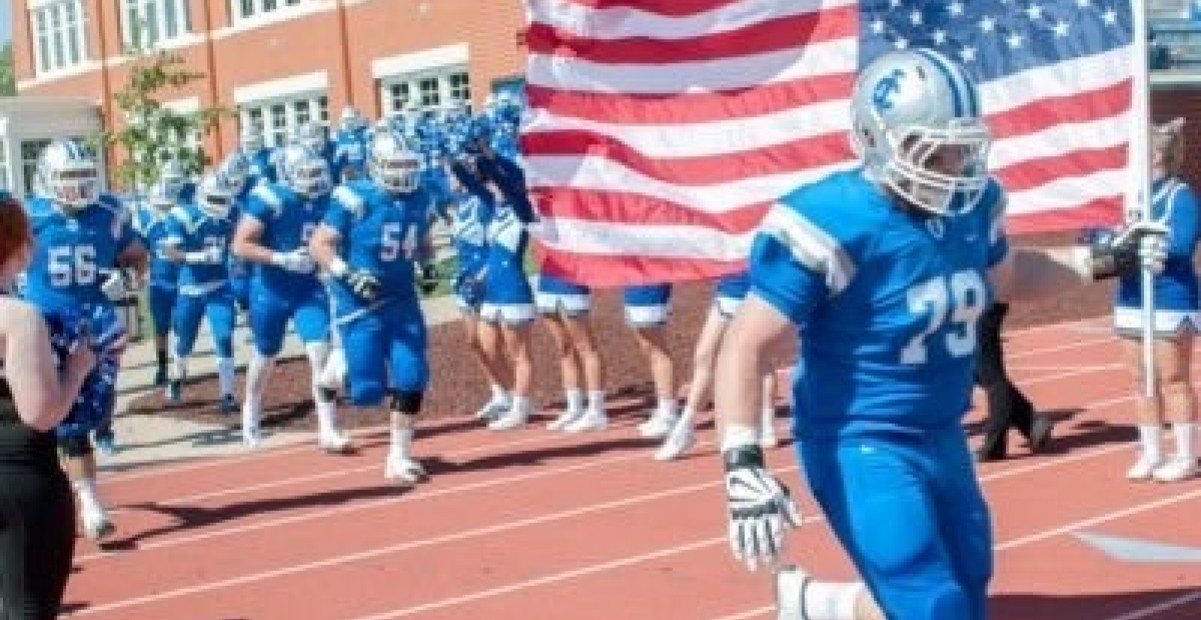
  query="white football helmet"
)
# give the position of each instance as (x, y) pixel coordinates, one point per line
(916, 122)
(303, 171)
(312, 136)
(236, 169)
(172, 176)
(159, 197)
(214, 195)
(67, 173)
(391, 164)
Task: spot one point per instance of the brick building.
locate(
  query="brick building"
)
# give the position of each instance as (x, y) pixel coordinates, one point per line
(278, 63)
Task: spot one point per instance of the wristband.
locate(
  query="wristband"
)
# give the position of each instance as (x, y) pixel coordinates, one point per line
(337, 267)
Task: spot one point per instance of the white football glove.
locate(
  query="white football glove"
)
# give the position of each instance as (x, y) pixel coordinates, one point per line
(296, 261)
(761, 509)
(210, 255)
(116, 285)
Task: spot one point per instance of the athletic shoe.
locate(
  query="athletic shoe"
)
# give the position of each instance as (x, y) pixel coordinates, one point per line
(492, 409)
(1143, 468)
(590, 421)
(96, 524)
(229, 405)
(790, 587)
(404, 470)
(1175, 469)
(658, 425)
(677, 442)
(334, 442)
(567, 417)
(509, 420)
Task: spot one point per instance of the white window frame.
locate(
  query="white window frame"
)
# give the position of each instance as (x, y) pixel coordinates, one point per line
(279, 117)
(245, 10)
(60, 34)
(445, 89)
(139, 32)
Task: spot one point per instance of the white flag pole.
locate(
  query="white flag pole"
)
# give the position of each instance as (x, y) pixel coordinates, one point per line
(1138, 195)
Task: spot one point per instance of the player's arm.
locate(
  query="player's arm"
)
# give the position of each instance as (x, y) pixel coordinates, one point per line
(246, 242)
(324, 244)
(742, 362)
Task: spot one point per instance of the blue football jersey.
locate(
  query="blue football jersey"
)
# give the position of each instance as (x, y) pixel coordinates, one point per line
(382, 234)
(886, 301)
(262, 168)
(71, 251)
(192, 230)
(288, 220)
(150, 224)
(350, 154)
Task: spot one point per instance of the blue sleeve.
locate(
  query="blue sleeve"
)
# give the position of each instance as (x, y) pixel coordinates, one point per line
(1183, 233)
(778, 278)
(258, 209)
(998, 241)
(338, 218)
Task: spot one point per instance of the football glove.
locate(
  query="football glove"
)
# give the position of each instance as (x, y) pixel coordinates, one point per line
(761, 509)
(363, 284)
(1135, 246)
(428, 281)
(296, 261)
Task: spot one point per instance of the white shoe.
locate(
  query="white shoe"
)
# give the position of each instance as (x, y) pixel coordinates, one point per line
(509, 420)
(404, 470)
(492, 409)
(567, 417)
(96, 524)
(334, 442)
(790, 586)
(590, 421)
(675, 444)
(658, 425)
(1143, 468)
(1175, 469)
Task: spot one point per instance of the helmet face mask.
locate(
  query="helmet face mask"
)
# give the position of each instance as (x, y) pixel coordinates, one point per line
(916, 123)
(68, 175)
(391, 165)
(214, 195)
(303, 171)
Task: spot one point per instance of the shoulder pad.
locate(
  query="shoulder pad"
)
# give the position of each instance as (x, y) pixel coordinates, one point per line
(267, 194)
(351, 200)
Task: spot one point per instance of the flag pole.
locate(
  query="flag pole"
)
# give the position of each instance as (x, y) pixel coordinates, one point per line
(1138, 197)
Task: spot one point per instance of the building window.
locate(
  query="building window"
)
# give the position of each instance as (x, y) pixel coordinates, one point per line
(425, 89)
(31, 150)
(245, 9)
(280, 117)
(146, 23)
(59, 29)
(460, 87)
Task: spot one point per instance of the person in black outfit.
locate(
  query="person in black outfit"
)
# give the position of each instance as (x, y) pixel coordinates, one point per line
(1008, 407)
(37, 512)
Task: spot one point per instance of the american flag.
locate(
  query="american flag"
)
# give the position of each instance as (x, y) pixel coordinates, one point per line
(660, 130)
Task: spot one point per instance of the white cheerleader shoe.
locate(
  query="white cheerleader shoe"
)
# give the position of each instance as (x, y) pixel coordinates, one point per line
(404, 470)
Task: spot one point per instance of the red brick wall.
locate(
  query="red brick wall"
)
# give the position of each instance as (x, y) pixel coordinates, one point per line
(1168, 103)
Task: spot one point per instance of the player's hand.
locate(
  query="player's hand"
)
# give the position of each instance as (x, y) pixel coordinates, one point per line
(363, 284)
(1149, 240)
(116, 285)
(211, 255)
(296, 261)
(761, 509)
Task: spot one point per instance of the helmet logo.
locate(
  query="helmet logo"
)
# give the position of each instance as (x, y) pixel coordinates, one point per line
(886, 87)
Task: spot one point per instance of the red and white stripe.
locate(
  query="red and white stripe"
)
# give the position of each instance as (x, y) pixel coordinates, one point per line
(659, 131)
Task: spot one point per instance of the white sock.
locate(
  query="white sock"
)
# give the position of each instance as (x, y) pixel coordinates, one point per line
(823, 600)
(575, 399)
(667, 406)
(225, 375)
(89, 499)
(767, 419)
(1183, 432)
(257, 373)
(1148, 438)
(402, 439)
(327, 417)
(687, 415)
(596, 402)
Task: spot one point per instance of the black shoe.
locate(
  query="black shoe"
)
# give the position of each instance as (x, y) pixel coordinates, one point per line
(1040, 433)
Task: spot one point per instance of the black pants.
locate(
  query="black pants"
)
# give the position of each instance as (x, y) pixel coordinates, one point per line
(1008, 408)
(37, 540)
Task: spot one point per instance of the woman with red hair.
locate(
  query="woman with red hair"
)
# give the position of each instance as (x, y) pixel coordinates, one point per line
(37, 515)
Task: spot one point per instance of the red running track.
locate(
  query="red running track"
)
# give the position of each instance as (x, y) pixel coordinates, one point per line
(536, 525)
